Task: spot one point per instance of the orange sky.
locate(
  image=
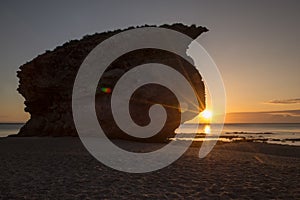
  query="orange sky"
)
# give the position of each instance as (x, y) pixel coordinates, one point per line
(255, 48)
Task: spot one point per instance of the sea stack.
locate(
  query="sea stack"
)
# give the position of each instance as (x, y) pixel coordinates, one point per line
(47, 81)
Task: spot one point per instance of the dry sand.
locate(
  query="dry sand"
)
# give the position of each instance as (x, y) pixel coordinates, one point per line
(60, 168)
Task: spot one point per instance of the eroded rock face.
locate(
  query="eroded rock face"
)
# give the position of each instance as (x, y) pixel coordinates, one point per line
(47, 81)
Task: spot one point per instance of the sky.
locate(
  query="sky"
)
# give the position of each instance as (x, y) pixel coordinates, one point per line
(255, 45)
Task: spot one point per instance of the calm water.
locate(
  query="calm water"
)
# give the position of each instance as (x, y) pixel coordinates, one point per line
(9, 129)
(270, 133)
(287, 133)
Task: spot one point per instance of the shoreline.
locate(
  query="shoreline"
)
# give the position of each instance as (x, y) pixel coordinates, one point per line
(281, 133)
(223, 138)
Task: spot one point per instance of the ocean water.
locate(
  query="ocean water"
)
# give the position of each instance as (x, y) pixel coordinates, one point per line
(286, 133)
(9, 128)
(279, 133)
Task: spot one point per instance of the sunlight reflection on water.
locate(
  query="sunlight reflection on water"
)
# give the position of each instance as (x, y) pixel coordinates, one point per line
(286, 134)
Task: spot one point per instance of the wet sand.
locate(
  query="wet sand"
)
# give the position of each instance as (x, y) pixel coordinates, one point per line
(61, 168)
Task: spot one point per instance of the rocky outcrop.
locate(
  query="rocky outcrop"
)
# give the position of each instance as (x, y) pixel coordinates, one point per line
(46, 83)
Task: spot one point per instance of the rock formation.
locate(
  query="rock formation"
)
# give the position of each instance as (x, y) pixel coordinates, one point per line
(47, 81)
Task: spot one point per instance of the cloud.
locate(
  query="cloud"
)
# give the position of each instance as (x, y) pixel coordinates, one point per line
(285, 101)
(291, 113)
(282, 116)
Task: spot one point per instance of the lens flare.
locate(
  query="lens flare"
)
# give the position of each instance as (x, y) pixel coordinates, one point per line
(106, 90)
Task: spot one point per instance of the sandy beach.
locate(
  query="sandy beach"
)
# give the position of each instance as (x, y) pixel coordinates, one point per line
(61, 168)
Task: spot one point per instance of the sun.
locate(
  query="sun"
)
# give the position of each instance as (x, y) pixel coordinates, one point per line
(206, 114)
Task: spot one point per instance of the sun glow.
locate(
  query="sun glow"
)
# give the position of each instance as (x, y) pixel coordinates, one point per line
(206, 115)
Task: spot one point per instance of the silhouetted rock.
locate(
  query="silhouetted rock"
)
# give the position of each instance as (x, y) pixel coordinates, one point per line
(47, 81)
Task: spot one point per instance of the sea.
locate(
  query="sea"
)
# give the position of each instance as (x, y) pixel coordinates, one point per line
(275, 133)
(9, 128)
(279, 133)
